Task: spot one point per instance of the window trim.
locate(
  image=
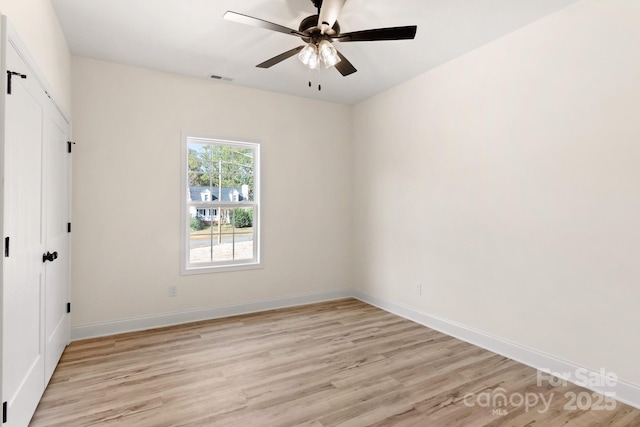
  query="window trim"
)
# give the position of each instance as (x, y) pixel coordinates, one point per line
(185, 267)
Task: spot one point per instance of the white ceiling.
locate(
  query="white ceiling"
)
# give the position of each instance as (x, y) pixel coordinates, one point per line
(190, 37)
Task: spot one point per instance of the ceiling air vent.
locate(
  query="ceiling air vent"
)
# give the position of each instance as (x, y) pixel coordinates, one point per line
(224, 79)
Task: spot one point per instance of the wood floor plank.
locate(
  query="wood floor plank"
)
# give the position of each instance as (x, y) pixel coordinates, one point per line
(341, 363)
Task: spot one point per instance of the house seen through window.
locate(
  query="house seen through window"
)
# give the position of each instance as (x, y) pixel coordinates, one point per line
(221, 221)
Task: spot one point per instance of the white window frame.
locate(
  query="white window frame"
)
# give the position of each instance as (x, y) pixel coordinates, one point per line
(186, 267)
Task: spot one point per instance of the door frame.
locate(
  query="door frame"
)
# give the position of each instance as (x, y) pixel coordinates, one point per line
(8, 35)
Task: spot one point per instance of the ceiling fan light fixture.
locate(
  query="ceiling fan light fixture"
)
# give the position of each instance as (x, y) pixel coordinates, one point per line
(314, 62)
(309, 55)
(328, 53)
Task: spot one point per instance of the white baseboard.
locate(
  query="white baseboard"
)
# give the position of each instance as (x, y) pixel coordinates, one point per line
(622, 391)
(169, 319)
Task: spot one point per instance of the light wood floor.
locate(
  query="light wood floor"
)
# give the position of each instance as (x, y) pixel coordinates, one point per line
(339, 363)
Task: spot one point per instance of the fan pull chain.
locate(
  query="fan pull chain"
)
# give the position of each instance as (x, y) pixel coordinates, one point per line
(319, 86)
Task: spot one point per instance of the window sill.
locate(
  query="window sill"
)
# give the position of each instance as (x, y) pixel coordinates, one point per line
(220, 269)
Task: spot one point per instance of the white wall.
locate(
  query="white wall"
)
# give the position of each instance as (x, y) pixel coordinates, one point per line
(38, 27)
(126, 194)
(507, 182)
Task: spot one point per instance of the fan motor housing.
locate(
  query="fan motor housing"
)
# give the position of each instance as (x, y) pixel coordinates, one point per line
(310, 25)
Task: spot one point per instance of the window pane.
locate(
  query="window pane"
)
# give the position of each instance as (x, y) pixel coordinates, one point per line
(243, 248)
(199, 158)
(200, 247)
(198, 179)
(225, 167)
(242, 220)
(222, 249)
(245, 172)
(243, 157)
(241, 188)
(226, 192)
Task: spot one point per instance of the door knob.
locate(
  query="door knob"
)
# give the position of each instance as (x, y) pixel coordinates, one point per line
(49, 256)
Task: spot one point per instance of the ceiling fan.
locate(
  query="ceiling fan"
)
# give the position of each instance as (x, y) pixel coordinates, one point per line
(319, 32)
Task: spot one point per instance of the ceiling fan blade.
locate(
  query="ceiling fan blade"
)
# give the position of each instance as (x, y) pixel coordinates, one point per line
(277, 59)
(393, 33)
(261, 23)
(344, 66)
(329, 14)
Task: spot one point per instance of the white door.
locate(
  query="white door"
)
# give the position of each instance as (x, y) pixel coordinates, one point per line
(56, 188)
(23, 297)
(35, 326)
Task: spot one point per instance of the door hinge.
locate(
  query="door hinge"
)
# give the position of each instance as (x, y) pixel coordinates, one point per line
(11, 74)
(70, 143)
(68, 307)
(4, 412)
(68, 227)
(6, 246)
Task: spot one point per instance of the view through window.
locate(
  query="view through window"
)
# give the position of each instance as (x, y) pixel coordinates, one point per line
(221, 212)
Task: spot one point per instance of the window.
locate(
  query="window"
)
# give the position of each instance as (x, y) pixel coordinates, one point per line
(220, 222)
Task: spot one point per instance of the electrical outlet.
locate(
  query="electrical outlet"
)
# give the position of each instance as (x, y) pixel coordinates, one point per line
(173, 290)
(418, 288)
